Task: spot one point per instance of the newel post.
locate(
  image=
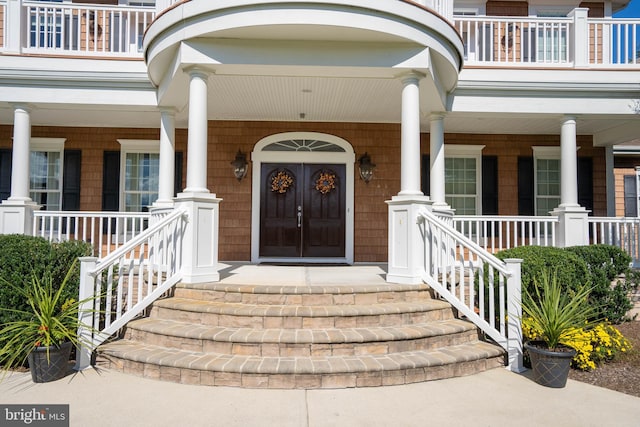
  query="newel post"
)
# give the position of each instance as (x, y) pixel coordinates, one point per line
(514, 313)
(86, 313)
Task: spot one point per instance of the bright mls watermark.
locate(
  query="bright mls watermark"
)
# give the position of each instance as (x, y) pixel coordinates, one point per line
(34, 415)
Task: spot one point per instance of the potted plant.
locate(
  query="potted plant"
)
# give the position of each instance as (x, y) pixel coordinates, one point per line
(45, 333)
(556, 313)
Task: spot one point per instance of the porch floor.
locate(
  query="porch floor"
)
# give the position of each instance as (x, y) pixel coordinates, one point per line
(239, 273)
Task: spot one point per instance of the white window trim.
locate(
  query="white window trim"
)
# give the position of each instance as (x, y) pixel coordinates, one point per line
(476, 7)
(147, 146)
(550, 11)
(468, 152)
(50, 145)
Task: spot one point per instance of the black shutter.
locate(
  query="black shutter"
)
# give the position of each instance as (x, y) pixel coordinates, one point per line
(525, 186)
(630, 196)
(71, 180)
(425, 175)
(5, 173)
(111, 181)
(489, 185)
(177, 181)
(585, 183)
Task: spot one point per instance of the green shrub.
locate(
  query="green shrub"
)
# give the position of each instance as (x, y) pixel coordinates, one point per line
(570, 269)
(23, 257)
(596, 266)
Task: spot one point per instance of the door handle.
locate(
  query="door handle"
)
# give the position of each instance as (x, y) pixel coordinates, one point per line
(299, 216)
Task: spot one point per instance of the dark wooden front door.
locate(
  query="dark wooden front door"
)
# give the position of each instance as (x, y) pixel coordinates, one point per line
(302, 210)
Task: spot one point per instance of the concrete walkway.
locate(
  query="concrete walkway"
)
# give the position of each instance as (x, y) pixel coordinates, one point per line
(493, 398)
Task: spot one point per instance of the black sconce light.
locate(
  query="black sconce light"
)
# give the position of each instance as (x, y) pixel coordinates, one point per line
(240, 165)
(366, 167)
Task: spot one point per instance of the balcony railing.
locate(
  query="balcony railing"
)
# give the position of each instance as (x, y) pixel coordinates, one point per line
(52, 28)
(575, 41)
(36, 27)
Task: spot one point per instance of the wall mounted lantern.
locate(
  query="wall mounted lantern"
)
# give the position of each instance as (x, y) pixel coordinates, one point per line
(366, 167)
(240, 165)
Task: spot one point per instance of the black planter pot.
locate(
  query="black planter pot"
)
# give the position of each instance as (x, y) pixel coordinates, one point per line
(550, 368)
(54, 367)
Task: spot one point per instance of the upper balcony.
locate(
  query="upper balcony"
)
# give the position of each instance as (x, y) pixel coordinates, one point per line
(90, 30)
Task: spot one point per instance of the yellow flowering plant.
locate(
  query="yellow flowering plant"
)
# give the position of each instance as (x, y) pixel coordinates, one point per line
(601, 343)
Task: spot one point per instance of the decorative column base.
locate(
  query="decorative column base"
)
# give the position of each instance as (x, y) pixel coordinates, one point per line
(16, 216)
(572, 228)
(200, 245)
(407, 250)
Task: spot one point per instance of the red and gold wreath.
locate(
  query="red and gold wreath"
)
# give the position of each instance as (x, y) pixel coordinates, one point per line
(326, 182)
(281, 182)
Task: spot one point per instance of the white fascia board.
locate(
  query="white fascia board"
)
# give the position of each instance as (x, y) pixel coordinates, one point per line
(69, 95)
(540, 104)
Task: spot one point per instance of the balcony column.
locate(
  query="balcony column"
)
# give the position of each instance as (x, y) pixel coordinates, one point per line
(573, 226)
(200, 248)
(436, 150)
(13, 20)
(16, 213)
(580, 37)
(406, 249)
(167, 158)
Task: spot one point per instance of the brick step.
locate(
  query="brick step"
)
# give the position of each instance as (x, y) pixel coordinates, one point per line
(298, 372)
(304, 295)
(301, 342)
(217, 313)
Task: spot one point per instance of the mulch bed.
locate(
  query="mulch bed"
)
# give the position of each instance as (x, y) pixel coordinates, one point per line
(622, 374)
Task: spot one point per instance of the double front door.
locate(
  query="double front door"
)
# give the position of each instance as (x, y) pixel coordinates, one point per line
(302, 212)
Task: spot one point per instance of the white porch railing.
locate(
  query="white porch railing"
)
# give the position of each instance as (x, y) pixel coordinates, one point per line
(496, 233)
(484, 289)
(127, 281)
(53, 28)
(550, 42)
(621, 232)
(106, 231)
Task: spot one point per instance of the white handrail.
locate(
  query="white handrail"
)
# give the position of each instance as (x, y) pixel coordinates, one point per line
(122, 285)
(481, 287)
(621, 232)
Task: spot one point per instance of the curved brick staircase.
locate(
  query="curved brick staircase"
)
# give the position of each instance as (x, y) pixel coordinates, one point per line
(300, 337)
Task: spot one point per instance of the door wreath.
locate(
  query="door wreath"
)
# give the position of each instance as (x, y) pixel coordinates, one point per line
(281, 182)
(326, 182)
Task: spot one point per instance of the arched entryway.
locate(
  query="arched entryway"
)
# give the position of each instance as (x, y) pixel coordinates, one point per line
(302, 203)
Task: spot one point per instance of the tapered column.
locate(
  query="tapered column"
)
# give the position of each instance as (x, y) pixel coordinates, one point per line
(436, 150)
(410, 138)
(572, 228)
(21, 154)
(197, 140)
(568, 163)
(167, 158)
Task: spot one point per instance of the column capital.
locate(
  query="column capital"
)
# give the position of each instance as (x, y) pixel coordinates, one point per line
(198, 71)
(437, 115)
(569, 118)
(168, 110)
(22, 106)
(411, 77)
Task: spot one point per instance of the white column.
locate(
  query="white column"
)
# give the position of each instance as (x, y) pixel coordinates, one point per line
(436, 151)
(16, 213)
(572, 228)
(167, 158)
(197, 139)
(21, 154)
(568, 163)
(410, 138)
